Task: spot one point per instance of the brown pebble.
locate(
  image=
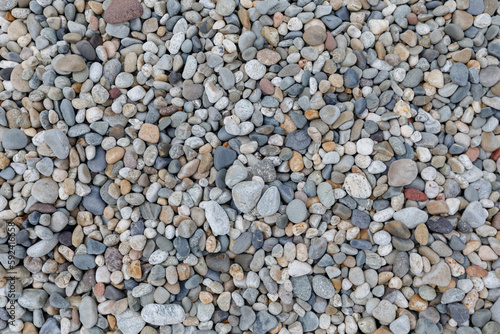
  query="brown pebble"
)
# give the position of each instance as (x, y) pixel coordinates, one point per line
(422, 234)
(266, 86)
(330, 42)
(149, 133)
(123, 10)
(412, 18)
(114, 93)
(42, 208)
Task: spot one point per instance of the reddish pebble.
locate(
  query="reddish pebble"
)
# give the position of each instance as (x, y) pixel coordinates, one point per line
(99, 289)
(495, 155)
(412, 18)
(123, 10)
(440, 197)
(476, 271)
(266, 86)
(330, 42)
(114, 93)
(277, 19)
(472, 153)
(495, 222)
(415, 195)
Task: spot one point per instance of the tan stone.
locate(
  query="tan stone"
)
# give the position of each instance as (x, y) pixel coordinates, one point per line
(435, 78)
(418, 304)
(422, 234)
(271, 35)
(115, 154)
(463, 19)
(149, 133)
(437, 207)
(489, 142)
(268, 57)
(71, 63)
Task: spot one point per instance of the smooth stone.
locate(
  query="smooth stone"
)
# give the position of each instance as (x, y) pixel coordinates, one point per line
(88, 312)
(246, 195)
(411, 217)
(217, 218)
(130, 322)
(58, 142)
(269, 203)
(296, 211)
(402, 172)
(45, 191)
(162, 315)
(14, 139)
(264, 322)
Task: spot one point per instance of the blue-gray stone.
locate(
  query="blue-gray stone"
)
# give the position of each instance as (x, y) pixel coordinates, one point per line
(93, 201)
(351, 78)
(223, 157)
(14, 139)
(298, 140)
(84, 261)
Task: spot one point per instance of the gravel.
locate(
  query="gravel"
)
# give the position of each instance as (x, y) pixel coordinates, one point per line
(234, 166)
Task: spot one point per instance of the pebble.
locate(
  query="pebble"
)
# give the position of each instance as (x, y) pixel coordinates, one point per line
(123, 10)
(162, 315)
(217, 218)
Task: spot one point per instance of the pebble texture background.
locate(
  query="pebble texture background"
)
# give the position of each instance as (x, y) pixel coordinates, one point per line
(238, 166)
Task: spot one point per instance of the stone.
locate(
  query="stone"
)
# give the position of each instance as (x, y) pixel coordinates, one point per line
(71, 63)
(264, 322)
(123, 10)
(474, 215)
(8, 5)
(356, 185)
(439, 275)
(88, 312)
(402, 172)
(323, 287)
(130, 322)
(314, 35)
(14, 139)
(33, 298)
(411, 217)
(45, 191)
(269, 203)
(325, 194)
(246, 195)
(223, 157)
(58, 143)
(384, 312)
(296, 211)
(162, 315)
(217, 218)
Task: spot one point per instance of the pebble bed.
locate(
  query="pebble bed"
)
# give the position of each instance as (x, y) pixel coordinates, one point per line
(238, 166)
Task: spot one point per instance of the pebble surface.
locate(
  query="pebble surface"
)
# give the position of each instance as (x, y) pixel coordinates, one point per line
(227, 166)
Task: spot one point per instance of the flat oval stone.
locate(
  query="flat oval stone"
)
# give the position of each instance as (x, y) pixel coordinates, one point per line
(123, 10)
(71, 63)
(14, 139)
(268, 57)
(402, 172)
(441, 225)
(162, 315)
(45, 191)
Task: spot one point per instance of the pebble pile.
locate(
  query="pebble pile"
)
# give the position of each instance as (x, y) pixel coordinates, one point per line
(239, 166)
